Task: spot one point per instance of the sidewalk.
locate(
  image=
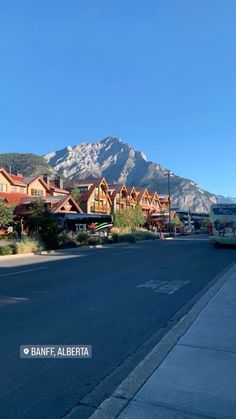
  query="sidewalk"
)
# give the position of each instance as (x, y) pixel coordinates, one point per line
(197, 379)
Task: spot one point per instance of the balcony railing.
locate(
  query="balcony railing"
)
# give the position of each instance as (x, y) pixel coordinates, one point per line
(121, 200)
(100, 196)
(100, 208)
(131, 200)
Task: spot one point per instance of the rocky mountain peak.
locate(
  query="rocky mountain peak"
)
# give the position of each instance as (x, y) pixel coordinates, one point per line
(119, 162)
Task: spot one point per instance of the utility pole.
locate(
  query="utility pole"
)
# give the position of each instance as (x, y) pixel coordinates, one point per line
(169, 174)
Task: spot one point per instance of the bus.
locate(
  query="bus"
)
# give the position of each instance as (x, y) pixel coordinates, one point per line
(222, 224)
(90, 223)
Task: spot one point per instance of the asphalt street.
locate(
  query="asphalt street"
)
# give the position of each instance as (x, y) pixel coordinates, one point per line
(119, 299)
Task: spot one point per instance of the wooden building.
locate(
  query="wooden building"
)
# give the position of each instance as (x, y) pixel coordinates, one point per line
(56, 204)
(119, 197)
(131, 197)
(144, 199)
(37, 186)
(93, 195)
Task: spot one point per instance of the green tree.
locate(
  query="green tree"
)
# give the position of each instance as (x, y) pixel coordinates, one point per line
(121, 219)
(75, 193)
(37, 208)
(129, 218)
(27, 164)
(6, 212)
(43, 224)
(138, 217)
(176, 223)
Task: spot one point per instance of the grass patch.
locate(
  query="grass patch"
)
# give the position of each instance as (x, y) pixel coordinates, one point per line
(27, 245)
(6, 250)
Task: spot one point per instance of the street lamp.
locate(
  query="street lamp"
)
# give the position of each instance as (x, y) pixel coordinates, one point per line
(169, 174)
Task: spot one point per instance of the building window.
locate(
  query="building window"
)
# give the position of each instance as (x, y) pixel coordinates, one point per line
(82, 188)
(3, 187)
(36, 192)
(22, 190)
(14, 189)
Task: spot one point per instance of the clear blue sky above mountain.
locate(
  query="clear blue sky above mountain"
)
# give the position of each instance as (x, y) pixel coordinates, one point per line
(158, 74)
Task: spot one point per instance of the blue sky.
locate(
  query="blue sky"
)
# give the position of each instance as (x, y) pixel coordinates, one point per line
(158, 74)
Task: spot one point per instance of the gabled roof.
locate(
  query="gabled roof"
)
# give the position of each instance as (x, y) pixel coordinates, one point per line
(90, 181)
(63, 201)
(163, 198)
(55, 202)
(131, 189)
(116, 188)
(56, 189)
(94, 182)
(18, 180)
(12, 179)
(154, 195)
(16, 177)
(143, 192)
(30, 179)
(12, 197)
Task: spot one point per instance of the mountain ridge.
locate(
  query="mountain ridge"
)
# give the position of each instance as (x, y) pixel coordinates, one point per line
(28, 164)
(119, 162)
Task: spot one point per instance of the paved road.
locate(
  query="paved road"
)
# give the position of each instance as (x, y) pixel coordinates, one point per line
(120, 299)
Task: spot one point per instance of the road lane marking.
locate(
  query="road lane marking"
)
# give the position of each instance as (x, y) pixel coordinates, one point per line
(120, 253)
(163, 287)
(24, 271)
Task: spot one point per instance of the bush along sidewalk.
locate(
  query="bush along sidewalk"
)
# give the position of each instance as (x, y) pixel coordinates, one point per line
(133, 237)
(66, 240)
(26, 245)
(6, 250)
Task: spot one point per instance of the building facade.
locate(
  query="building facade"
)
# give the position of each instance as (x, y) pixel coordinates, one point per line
(93, 195)
(22, 191)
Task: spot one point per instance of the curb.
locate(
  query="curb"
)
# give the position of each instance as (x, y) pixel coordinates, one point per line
(12, 257)
(71, 249)
(111, 407)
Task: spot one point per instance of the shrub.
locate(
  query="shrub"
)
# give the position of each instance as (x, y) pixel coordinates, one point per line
(130, 238)
(28, 245)
(67, 239)
(82, 237)
(145, 235)
(115, 237)
(6, 250)
(94, 241)
(106, 240)
(116, 230)
(6, 237)
(133, 237)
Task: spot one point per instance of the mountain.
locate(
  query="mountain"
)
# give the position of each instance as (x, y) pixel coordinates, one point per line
(26, 164)
(119, 162)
